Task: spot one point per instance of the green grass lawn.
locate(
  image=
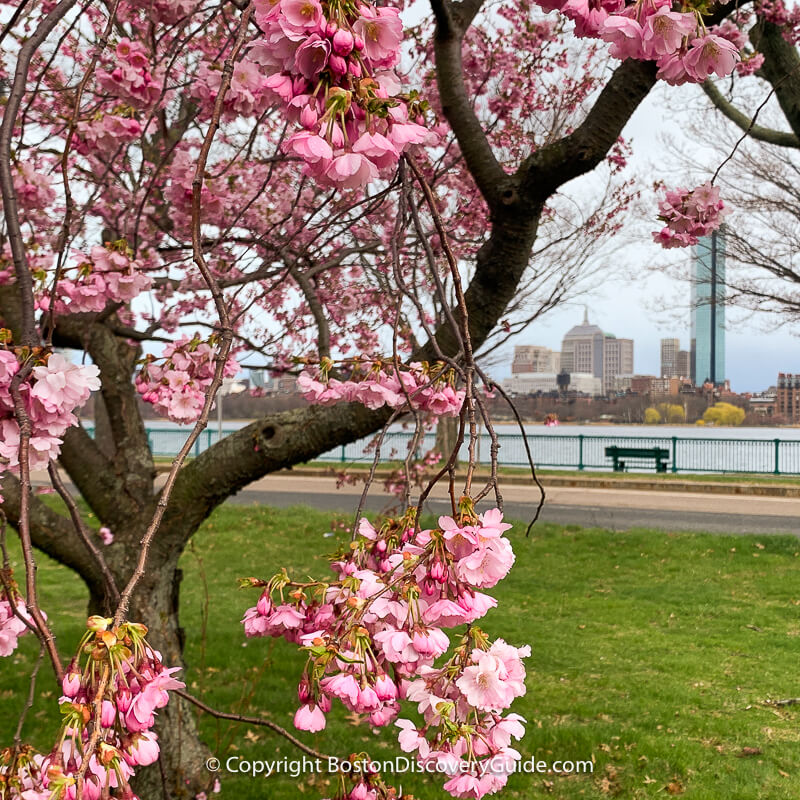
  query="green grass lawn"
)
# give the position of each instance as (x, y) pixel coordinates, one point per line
(652, 655)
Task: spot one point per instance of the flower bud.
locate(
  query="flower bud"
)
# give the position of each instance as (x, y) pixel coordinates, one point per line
(308, 117)
(71, 684)
(108, 714)
(337, 64)
(343, 42)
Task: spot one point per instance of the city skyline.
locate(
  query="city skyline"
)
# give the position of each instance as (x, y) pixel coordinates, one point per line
(651, 299)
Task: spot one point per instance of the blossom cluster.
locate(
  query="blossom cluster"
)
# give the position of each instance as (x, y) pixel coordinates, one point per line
(107, 274)
(13, 617)
(420, 385)
(176, 387)
(54, 388)
(34, 189)
(106, 134)
(331, 64)
(650, 30)
(114, 688)
(689, 214)
(374, 633)
(128, 77)
(786, 18)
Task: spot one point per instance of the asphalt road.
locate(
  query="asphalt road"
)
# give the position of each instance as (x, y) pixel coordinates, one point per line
(613, 509)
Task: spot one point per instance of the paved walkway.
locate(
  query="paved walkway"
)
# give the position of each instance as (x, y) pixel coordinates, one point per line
(614, 508)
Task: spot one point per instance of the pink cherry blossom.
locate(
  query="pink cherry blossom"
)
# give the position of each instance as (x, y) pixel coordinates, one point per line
(309, 718)
(710, 54)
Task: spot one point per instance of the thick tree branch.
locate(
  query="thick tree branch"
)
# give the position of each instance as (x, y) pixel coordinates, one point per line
(759, 132)
(121, 486)
(781, 68)
(491, 179)
(581, 151)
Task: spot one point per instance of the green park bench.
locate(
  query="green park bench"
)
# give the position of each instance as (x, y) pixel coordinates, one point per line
(659, 454)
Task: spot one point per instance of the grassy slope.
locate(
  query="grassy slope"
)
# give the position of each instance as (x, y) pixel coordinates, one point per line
(652, 654)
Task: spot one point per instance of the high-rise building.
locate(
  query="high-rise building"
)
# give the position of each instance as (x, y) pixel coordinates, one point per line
(675, 363)
(708, 310)
(582, 349)
(530, 358)
(586, 349)
(683, 364)
(617, 360)
(669, 357)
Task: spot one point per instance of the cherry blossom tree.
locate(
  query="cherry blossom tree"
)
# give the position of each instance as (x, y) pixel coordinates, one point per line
(188, 188)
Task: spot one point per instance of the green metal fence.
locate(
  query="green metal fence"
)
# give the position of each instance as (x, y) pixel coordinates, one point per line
(564, 451)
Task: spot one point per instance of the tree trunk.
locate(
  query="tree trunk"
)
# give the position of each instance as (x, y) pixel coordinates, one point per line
(180, 772)
(446, 437)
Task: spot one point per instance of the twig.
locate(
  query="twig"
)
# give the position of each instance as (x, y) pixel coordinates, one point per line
(24, 528)
(31, 697)
(265, 723)
(10, 206)
(226, 336)
(752, 122)
(790, 701)
(83, 533)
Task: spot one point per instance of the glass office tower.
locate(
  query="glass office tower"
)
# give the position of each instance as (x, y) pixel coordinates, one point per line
(708, 310)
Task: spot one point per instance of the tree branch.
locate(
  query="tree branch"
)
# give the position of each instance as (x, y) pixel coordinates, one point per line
(491, 179)
(759, 132)
(10, 206)
(781, 68)
(581, 151)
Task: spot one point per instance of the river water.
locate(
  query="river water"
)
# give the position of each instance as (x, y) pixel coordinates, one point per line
(686, 448)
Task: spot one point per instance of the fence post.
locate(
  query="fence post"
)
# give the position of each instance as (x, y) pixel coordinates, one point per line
(580, 451)
(777, 456)
(674, 453)
(342, 457)
(197, 447)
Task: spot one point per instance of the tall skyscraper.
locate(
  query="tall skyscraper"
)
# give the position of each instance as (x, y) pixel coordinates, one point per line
(708, 310)
(669, 357)
(586, 349)
(582, 349)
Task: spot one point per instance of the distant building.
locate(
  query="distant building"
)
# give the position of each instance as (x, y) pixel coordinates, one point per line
(622, 384)
(764, 404)
(582, 349)
(642, 384)
(534, 382)
(586, 349)
(617, 360)
(683, 368)
(708, 310)
(669, 357)
(534, 358)
(675, 363)
(788, 396)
